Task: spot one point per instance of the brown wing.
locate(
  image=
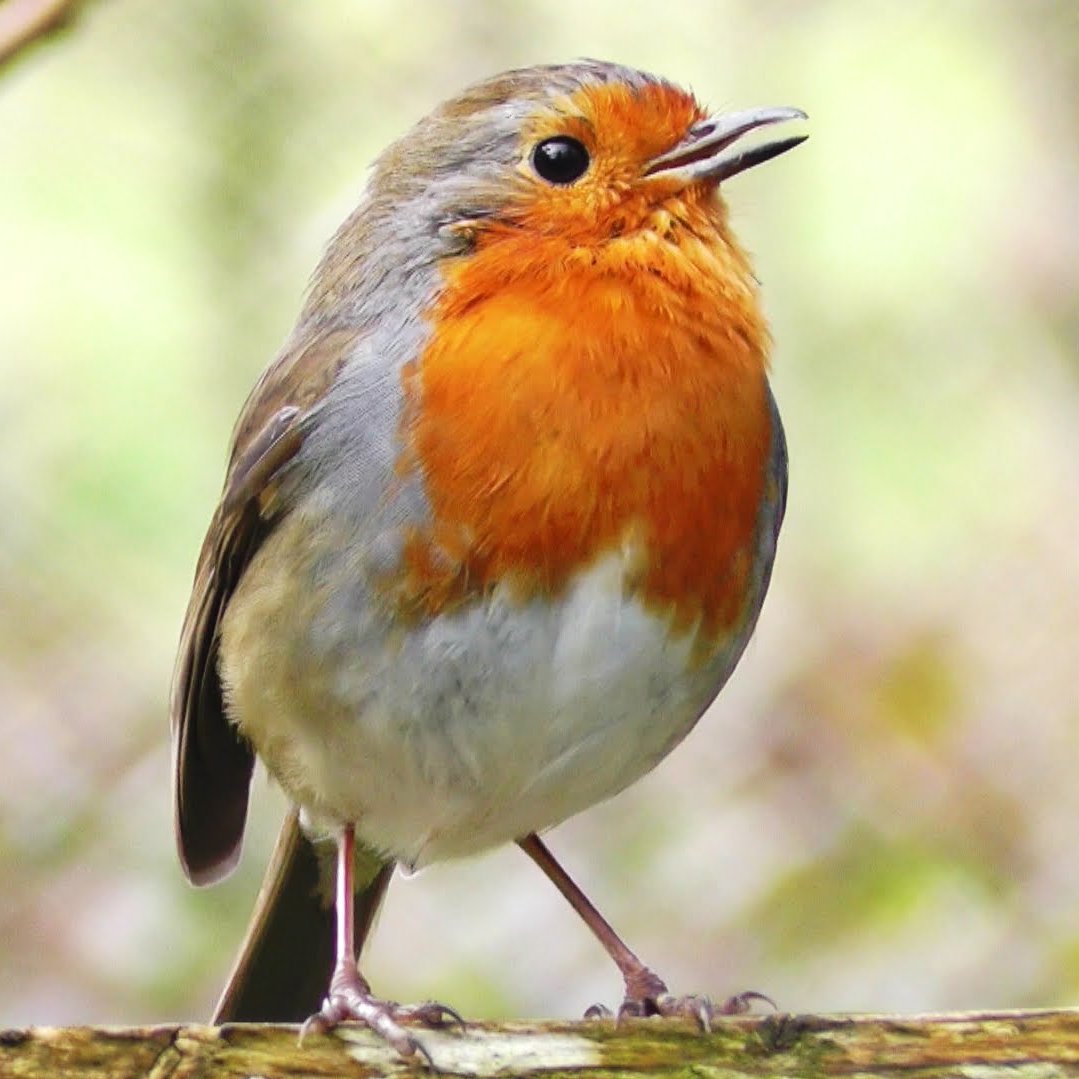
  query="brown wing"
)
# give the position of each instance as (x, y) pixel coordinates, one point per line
(212, 762)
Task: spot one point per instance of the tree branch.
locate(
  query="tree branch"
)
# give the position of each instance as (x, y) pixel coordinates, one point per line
(991, 1044)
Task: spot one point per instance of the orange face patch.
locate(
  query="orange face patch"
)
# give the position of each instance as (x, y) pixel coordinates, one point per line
(622, 128)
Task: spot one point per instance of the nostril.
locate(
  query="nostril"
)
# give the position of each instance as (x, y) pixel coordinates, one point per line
(702, 130)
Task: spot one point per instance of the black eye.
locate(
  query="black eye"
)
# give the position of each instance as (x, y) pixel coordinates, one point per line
(560, 160)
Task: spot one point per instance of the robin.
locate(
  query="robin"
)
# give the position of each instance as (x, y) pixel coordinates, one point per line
(497, 524)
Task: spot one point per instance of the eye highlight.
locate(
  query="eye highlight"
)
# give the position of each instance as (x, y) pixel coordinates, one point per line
(560, 160)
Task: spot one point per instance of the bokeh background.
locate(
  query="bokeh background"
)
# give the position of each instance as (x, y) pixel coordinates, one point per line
(882, 811)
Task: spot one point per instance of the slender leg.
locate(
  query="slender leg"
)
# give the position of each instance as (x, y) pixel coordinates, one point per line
(646, 992)
(641, 983)
(346, 930)
(349, 995)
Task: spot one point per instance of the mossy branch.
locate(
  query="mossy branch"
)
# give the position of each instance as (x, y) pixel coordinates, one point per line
(1017, 1045)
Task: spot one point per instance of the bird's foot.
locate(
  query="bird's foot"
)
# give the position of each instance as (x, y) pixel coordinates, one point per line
(350, 998)
(647, 995)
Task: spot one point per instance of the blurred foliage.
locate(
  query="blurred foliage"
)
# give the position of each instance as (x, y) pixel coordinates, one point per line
(881, 810)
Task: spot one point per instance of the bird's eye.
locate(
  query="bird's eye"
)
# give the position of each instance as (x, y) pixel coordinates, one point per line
(560, 160)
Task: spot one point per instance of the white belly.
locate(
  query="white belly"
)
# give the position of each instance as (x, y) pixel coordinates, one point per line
(476, 728)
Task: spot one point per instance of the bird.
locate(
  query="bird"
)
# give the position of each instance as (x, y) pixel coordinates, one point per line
(497, 523)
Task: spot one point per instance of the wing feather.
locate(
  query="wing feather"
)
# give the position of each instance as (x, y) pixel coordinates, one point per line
(212, 762)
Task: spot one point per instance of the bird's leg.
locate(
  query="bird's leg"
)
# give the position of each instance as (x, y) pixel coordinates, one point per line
(349, 995)
(646, 992)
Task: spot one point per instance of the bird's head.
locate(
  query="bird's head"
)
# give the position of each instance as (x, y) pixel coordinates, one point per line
(584, 152)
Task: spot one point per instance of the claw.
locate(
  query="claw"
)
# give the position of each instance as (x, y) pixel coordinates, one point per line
(417, 1046)
(743, 1002)
(431, 1013)
(312, 1024)
(701, 1009)
(704, 1018)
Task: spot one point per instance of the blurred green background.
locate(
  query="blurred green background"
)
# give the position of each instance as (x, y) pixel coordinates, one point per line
(882, 810)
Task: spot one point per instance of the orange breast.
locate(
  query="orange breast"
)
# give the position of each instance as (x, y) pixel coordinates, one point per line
(574, 402)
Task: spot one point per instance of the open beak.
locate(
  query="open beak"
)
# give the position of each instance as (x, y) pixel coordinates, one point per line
(701, 156)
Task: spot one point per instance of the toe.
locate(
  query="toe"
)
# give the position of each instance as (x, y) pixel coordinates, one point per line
(693, 1006)
(430, 1013)
(743, 1002)
(698, 1008)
